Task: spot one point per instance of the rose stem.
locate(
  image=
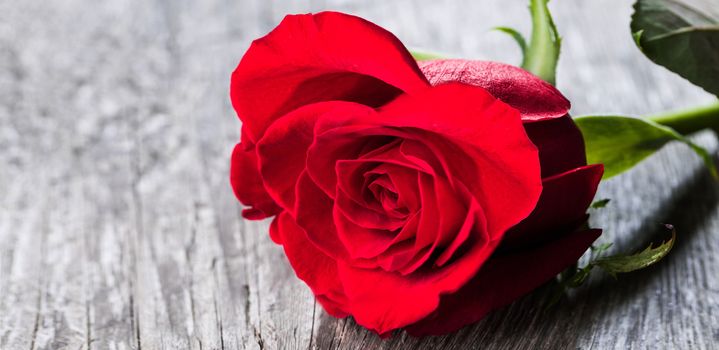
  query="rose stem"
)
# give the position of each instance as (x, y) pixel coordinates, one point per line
(687, 121)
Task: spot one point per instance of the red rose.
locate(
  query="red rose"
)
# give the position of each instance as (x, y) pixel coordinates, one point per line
(406, 197)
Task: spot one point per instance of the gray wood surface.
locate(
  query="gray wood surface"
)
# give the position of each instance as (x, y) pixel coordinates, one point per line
(118, 228)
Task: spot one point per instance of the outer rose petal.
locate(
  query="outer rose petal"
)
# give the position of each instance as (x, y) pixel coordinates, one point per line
(501, 280)
(562, 205)
(312, 266)
(321, 57)
(247, 184)
(560, 144)
(533, 97)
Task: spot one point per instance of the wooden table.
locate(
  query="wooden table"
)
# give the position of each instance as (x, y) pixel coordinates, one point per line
(118, 228)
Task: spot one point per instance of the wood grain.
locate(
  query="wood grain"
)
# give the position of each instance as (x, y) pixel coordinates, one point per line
(118, 229)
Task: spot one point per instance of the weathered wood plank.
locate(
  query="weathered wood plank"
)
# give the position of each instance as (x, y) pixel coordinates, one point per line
(118, 229)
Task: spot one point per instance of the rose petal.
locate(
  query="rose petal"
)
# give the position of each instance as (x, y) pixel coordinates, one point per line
(361, 242)
(309, 58)
(563, 203)
(501, 280)
(247, 184)
(504, 173)
(364, 212)
(421, 154)
(367, 233)
(462, 235)
(401, 252)
(330, 147)
(534, 98)
(560, 144)
(314, 215)
(454, 219)
(283, 149)
(318, 270)
(362, 216)
(469, 130)
(403, 300)
(275, 235)
(362, 178)
(442, 211)
(458, 123)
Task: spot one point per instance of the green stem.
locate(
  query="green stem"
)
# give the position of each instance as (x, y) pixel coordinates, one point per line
(542, 54)
(690, 120)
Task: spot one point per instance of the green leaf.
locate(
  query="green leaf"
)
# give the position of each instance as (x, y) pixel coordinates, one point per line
(690, 120)
(621, 142)
(597, 251)
(570, 278)
(638, 38)
(600, 203)
(517, 36)
(600, 249)
(542, 54)
(628, 263)
(424, 56)
(574, 277)
(683, 36)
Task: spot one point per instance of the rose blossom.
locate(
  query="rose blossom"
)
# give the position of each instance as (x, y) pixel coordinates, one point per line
(416, 197)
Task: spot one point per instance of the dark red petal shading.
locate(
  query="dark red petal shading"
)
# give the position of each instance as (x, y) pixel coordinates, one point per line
(361, 242)
(501, 280)
(362, 216)
(560, 144)
(320, 57)
(329, 147)
(312, 266)
(562, 205)
(362, 179)
(283, 149)
(356, 202)
(446, 218)
(247, 184)
(401, 253)
(313, 212)
(534, 98)
(462, 237)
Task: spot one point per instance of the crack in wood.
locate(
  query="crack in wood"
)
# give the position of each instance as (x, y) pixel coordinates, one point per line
(312, 327)
(41, 283)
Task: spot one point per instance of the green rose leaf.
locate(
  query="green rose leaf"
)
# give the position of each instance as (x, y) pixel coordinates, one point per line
(628, 263)
(621, 142)
(600, 249)
(517, 36)
(681, 35)
(600, 203)
(575, 276)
